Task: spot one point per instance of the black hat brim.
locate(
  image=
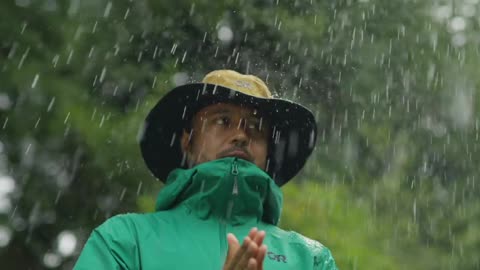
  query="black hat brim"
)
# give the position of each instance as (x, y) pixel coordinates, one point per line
(294, 131)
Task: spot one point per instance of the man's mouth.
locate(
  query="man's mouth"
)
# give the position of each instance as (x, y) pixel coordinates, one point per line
(239, 154)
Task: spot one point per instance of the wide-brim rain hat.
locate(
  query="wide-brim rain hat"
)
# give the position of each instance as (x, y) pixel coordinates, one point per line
(293, 128)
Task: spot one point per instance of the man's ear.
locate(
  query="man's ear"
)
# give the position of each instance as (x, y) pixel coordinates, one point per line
(185, 141)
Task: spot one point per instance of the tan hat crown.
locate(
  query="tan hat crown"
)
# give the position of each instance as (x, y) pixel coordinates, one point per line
(247, 84)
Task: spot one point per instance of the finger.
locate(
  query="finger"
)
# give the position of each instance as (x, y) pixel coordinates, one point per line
(233, 244)
(262, 251)
(238, 259)
(250, 252)
(243, 253)
(259, 237)
(253, 232)
(252, 264)
(233, 247)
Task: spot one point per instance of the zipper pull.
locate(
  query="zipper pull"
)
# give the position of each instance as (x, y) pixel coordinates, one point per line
(234, 169)
(235, 173)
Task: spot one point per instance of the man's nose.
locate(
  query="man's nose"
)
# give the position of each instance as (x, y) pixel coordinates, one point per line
(240, 136)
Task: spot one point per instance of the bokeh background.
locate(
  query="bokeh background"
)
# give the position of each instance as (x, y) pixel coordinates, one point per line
(392, 184)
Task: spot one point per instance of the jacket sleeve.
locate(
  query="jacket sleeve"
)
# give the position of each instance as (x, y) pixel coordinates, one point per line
(110, 246)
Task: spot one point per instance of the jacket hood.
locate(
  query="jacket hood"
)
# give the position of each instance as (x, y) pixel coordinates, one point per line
(231, 189)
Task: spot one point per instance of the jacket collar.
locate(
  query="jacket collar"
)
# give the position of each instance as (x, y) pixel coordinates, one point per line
(230, 189)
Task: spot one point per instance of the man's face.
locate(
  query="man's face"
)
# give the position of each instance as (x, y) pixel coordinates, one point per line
(226, 130)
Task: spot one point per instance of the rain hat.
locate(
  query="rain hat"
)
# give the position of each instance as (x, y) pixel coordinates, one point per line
(293, 129)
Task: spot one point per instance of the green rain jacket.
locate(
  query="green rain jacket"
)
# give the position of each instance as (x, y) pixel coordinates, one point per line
(195, 210)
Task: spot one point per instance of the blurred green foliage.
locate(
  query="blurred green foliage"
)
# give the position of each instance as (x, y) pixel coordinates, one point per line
(392, 184)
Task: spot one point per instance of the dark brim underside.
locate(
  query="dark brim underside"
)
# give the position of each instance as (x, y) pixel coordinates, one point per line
(293, 135)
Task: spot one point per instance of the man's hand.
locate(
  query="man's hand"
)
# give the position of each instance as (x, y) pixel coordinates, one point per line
(250, 255)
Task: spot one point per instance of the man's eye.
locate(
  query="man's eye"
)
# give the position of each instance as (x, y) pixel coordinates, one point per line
(222, 121)
(254, 125)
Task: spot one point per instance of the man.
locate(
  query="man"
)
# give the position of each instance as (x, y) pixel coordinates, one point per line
(224, 147)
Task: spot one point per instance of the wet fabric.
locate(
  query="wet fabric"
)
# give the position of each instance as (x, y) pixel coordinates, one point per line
(195, 211)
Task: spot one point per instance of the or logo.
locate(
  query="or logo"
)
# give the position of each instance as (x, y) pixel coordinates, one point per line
(276, 257)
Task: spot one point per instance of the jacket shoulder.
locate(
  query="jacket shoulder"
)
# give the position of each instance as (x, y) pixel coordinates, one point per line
(321, 256)
(118, 225)
(112, 245)
(127, 225)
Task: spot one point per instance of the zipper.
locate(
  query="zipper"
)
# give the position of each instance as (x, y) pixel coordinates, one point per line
(235, 180)
(223, 239)
(223, 223)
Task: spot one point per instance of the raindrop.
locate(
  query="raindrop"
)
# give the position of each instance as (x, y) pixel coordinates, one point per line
(36, 123)
(155, 52)
(24, 26)
(154, 82)
(122, 195)
(28, 149)
(174, 48)
(69, 59)
(459, 39)
(180, 78)
(12, 51)
(57, 198)
(94, 29)
(93, 114)
(192, 9)
(225, 34)
(102, 121)
(414, 210)
(66, 118)
(173, 139)
(117, 49)
(5, 205)
(139, 189)
(24, 56)
(102, 75)
(55, 60)
(184, 56)
(108, 8)
(5, 235)
(66, 243)
(236, 58)
(5, 102)
(5, 123)
(35, 80)
(457, 24)
(51, 260)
